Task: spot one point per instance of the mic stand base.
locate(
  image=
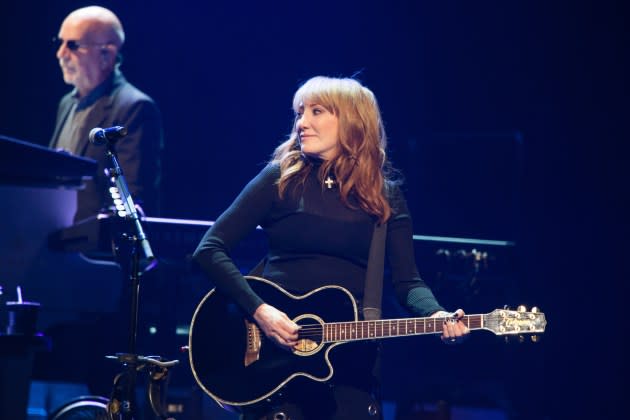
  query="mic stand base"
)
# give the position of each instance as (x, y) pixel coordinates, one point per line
(122, 404)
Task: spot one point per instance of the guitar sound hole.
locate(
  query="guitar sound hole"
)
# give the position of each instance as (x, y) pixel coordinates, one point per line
(310, 335)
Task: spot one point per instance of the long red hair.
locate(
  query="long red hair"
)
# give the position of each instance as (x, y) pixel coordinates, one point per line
(360, 167)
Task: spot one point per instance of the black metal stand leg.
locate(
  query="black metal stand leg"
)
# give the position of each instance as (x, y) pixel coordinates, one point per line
(134, 276)
(122, 404)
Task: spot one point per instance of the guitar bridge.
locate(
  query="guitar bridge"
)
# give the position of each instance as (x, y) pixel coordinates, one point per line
(252, 350)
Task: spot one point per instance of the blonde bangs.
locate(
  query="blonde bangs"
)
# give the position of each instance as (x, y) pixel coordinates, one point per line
(318, 90)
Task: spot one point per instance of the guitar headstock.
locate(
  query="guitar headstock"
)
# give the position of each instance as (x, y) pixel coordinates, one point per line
(515, 322)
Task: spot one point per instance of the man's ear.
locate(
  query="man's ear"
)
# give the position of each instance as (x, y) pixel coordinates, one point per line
(108, 55)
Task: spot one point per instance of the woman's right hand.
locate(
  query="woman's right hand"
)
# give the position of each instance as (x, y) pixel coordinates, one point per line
(277, 326)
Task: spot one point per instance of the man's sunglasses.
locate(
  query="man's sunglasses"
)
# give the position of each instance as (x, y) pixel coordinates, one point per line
(72, 44)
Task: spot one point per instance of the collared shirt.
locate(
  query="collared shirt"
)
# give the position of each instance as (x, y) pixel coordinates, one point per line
(69, 137)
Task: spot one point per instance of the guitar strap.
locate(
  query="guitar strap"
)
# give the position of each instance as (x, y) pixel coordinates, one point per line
(258, 269)
(373, 293)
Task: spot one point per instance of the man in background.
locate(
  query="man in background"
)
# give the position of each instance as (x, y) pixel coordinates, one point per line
(88, 50)
(89, 44)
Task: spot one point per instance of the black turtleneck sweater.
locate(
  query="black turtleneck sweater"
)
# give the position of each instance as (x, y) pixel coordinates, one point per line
(314, 240)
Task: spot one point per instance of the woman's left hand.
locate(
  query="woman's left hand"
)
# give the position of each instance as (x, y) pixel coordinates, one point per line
(454, 331)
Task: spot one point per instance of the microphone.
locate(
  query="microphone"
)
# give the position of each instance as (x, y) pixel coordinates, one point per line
(100, 136)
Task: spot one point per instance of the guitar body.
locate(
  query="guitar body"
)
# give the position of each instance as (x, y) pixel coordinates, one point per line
(233, 361)
(236, 365)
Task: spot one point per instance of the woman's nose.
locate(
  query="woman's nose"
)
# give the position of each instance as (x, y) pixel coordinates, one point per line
(302, 122)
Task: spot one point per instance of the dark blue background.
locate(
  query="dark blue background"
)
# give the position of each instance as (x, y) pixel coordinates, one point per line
(514, 110)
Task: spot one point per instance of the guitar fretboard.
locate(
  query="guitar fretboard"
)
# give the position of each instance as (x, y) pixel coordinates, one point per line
(364, 330)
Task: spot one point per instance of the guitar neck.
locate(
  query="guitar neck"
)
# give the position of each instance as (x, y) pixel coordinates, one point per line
(386, 328)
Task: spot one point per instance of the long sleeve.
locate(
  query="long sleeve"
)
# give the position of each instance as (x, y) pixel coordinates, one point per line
(62, 112)
(139, 151)
(411, 291)
(250, 209)
(114, 103)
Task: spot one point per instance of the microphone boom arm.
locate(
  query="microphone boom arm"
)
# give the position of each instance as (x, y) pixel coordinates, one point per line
(123, 402)
(116, 176)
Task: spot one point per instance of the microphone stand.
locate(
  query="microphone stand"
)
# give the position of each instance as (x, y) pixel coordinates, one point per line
(122, 404)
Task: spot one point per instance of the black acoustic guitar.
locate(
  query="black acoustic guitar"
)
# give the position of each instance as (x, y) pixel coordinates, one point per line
(236, 365)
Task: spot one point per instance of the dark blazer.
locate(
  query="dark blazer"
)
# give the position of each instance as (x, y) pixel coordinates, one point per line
(138, 152)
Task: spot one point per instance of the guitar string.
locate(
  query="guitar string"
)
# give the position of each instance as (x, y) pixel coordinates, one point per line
(401, 323)
(469, 318)
(315, 330)
(392, 327)
(341, 328)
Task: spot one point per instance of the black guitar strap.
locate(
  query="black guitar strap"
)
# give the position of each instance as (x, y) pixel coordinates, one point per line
(373, 293)
(258, 269)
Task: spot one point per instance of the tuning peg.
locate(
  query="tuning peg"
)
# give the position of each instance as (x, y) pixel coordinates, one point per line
(507, 339)
(535, 339)
(521, 338)
(506, 307)
(535, 309)
(521, 308)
